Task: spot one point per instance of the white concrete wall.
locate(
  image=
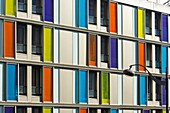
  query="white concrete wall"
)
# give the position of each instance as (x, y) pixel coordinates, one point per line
(114, 88)
(82, 49)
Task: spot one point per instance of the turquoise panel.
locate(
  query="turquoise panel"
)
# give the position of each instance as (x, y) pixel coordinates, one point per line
(114, 111)
(83, 86)
(143, 90)
(164, 59)
(83, 13)
(2, 7)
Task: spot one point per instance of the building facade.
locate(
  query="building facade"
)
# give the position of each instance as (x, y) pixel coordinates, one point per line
(67, 56)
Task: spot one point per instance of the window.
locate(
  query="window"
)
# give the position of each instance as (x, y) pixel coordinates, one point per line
(21, 110)
(22, 79)
(36, 7)
(36, 110)
(22, 5)
(104, 12)
(158, 56)
(148, 29)
(21, 38)
(92, 11)
(36, 80)
(149, 55)
(105, 110)
(157, 24)
(149, 88)
(158, 90)
(36, 39)
(91, 110)
(93, 84)
(104, 49)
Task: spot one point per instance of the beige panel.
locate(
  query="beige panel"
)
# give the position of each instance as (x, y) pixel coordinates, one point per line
(128, 111)
(66, 47)
(66, 12)
(113, 88)
(82, 49)
(66, 111)
(128, 20)
(66, 86)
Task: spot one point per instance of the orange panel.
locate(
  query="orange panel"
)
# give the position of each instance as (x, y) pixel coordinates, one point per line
(113, 17)
(141, 55)
(9, 41)
(93, 50)
(48, 87)
(83, 110)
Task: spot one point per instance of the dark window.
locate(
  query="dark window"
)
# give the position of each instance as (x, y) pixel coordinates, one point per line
(149, 88)
(149, 55)
(92, 110)
(92, 11)
(93, 84)
(148, 29)
(158, 90)
(22, 79)
(22, 5)
(36, 80)
(158, 56)
(21, 38)
(36, 7)
(158, 111)
(36, 110)
(105, 110)
(104, 49)
(157, 24)
(36, 39)
(21, 110)
(104, 12)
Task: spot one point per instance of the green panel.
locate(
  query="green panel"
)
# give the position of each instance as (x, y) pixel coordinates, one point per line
(105, 87)
(47, 110)
(11, 7)
(48, 45)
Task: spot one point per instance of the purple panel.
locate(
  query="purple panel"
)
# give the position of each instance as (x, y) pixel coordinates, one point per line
(48, 10)
(9, 109)
(165, 28)
(145, 111)
(114, 53)
(163, 93)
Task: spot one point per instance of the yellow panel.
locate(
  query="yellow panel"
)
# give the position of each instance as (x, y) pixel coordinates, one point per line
(48, 44)
(164, 111)
(11, 7)
(47, 110)
(141, 23)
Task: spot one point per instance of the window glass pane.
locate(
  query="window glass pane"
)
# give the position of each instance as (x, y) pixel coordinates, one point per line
(22, 79)
(36, 80)
(93, 84)
(21, 110)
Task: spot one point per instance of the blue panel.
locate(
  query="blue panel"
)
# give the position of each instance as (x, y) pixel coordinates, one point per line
(48, 10)
(114, 111)
(77, 12)
(76, 87)
(83, 13)
(12, 92)
(83, 86)
(2, 6)
(164, 59)
(143, 91)
(1, 38)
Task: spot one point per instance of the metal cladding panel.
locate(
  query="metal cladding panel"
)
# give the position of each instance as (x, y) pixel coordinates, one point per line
(83, 13)
(83, 86)
(1, 38)
(114, 53)
(10, 7)
(2, 7)
(12, 90)
(114, 111)
(163, 100)
(164, 59)
(1, 82)
(56, 45)
(141, 25)
(9, 110)
(165, 28)
(113, 17)
(141, 55)
(48, 7)
(55, 85)
(105, 87)
(47, 110)
(145, 111)
(143, 90)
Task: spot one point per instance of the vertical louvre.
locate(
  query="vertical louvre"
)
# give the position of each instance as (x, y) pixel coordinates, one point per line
(48, 88)
(82, 110)
(11, 7)
(1, 38)
(9, 110)
(1, 82)
(83, 13)
(48, 10)
(9, 41)
(164, 59)
(105, 87)
(119, 21)
(93, 50)
(113, 17)
(12, 90)
(141, 53)
(163, 93)
(114, 53)
(165, 28)
(48, 44)
(141, 23)
(83, 86)
(143, 90)
(47, 110)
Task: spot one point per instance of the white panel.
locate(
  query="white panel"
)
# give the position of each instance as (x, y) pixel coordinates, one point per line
(120, 77)
(1, 82)
(74, 12)
(135, 77)
(66, 111)
(120, 50)
(119, 111)
(168, 61)
(66, 47)
(169, 91)
(82, 49)
(74, 84)
(56, 8)
(56, 44)
(55, 85)
(66, 12)
(169, 29)
(75, 48)
(98, 50)
(55, 110)
(98, 13)
(119, 19)
(135, 111)
(114, 88)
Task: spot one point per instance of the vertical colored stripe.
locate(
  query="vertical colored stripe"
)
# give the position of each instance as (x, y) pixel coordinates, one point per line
(83, 86)
(48, 44)
(48, 6)
(12, 90)
(163, 99)
(76, 86)
(11, 7)
(164, 59)
(93, 50)
(141, 23)
(141, 54)
(113, 17)
(9, 41)
(105, 87)
(114, 111)
(114, 53)
(9, 110)
(1, 38)
(83, 13)
(55, 85)
(143, 90)
(82, 110)
(2, 6)
(48, 81)
(135, 14)
(77, 13)
(165, 28)
(47, 110)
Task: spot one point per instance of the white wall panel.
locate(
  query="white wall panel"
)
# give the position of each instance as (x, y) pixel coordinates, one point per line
(67, 111)
(120, 77)
(82, 49)
(56, 45)
(55, 85)
(119, 19)
(55, 110)
(169, 29)
(56, 11)
(1, 82)
(114, 88)
(75, 48)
